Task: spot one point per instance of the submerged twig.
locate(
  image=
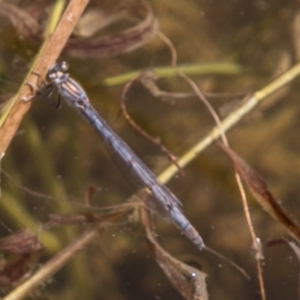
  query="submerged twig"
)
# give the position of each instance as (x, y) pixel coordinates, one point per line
(148, 79)
(140, 130)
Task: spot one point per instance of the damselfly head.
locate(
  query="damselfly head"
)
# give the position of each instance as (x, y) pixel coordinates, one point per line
(63, 66)
(57, 70)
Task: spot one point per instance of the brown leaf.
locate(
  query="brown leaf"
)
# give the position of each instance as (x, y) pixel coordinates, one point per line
(24, 250)
(189, 281)
(23, 241)
(261, 193)
(18, 267)
(115, 44)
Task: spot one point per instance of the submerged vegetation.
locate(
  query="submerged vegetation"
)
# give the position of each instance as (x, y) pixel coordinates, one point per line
(171, 78)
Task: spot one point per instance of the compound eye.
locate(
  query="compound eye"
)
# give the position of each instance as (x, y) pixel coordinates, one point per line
(64, 66)
(50, 76)
(51, 70)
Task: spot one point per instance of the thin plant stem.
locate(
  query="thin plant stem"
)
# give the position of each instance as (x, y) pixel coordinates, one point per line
(192, 69)
(225, 141)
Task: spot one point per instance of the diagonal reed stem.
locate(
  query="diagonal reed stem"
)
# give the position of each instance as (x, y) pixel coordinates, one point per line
(231, 120)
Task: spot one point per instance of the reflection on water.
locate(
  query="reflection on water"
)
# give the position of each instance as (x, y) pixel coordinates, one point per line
(58, 155)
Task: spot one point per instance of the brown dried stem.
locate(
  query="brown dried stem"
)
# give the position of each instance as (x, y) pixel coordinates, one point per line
(47, 56)
(139, 129)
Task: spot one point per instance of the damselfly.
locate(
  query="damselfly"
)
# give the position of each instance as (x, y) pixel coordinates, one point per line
(154, 194)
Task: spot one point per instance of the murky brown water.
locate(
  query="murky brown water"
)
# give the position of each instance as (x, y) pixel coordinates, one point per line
(56, 153)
